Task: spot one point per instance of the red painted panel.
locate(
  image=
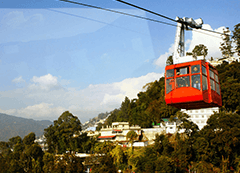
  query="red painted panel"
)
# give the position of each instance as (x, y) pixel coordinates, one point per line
(189, 97)
(105, 137)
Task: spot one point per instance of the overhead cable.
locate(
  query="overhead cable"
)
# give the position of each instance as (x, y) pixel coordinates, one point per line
(164, 16)
(136, 16)
(147, 10)
(119, 12)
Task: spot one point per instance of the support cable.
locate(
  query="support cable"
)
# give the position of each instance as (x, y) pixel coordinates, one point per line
(140, 17)
(119, 12)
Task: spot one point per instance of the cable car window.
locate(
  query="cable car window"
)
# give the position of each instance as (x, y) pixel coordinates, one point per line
(204, 83)
(196, 81)
(170, 73)
(212, 83)
(218, 88)
(170, 85)
(181, 71)
(204, 71)
(183, 81)
(211, 74)
(195, 69)
(216, 78)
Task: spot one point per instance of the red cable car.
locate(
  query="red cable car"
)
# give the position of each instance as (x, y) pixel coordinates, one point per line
(192, 85)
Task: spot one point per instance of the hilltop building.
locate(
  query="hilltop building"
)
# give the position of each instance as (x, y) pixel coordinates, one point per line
(219, 61)
(118, 130)
(200, 116)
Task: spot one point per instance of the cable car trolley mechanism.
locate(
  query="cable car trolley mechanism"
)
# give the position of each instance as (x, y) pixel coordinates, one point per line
(190, 83)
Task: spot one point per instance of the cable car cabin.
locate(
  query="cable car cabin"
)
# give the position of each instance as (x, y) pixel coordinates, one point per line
(192, 85)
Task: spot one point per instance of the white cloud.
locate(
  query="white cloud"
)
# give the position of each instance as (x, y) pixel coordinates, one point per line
(129, 87)
(46, 102)
(112, 100)
(209, 39)
(161, 61)
(47, 82)
(18, 80)
(16, 19)
(37, 111)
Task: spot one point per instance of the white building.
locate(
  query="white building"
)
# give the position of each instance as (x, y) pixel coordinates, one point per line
(200, 116)
(216, 62)
(118, 131)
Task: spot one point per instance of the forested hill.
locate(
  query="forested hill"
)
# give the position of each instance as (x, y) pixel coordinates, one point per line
(229, 75)
(150, 105)
(11, 126)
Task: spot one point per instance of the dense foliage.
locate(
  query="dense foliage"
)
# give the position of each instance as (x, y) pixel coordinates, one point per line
(200, 50)
(65, 135)
(236, 38)
(229, 75)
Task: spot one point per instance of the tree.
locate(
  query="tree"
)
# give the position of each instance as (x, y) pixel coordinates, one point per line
(236, 38)
(200, 50)
(150, 106)
(15, 140)
(59, 136)
(102, 161)
(226, 45)
(29, 139)
(169, 60)
(4, 148)
(123, 114)
(48, 160)
(99, 126)
(119, 157)
(131, 136)
(221, 139)
(229, 76)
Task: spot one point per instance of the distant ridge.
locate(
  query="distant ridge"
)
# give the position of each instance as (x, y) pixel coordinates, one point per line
(11, 126)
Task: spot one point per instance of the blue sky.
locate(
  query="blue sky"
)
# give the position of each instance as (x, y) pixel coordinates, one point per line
(57, 56)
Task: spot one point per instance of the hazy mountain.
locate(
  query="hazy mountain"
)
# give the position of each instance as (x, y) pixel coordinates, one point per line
(11, 126)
